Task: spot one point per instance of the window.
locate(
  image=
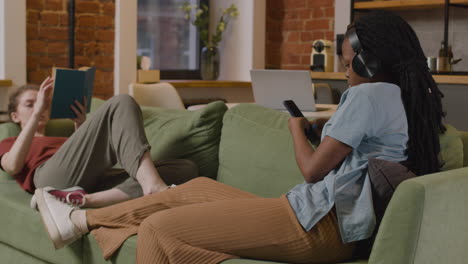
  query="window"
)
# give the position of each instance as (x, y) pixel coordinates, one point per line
(168, 38)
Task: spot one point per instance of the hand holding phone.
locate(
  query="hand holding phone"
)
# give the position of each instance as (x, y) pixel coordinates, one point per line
(295, 112)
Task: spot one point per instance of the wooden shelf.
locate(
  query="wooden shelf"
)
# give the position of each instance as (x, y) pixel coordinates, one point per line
(6, 83)
(406, 4)
(328, 75)
(209, 84)
(440, 79)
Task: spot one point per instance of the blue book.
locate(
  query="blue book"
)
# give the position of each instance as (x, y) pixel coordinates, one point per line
(71, 85)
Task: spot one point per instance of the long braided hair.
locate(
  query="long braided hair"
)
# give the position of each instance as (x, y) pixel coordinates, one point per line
(393, 41)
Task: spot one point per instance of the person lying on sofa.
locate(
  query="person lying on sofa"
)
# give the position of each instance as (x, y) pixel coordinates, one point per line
(113, 134)
(391, 112)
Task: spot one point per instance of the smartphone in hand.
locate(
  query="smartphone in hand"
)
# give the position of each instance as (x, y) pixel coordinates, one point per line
(295, 112)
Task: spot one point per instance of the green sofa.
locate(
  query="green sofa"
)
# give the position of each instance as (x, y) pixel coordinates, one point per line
(249, 147)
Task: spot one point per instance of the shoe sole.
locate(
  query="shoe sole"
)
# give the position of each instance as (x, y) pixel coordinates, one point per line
(48, 221)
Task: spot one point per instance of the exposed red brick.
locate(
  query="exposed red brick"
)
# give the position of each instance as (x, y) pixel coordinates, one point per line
(330, 35)
(82, 61)
(277, 14)
(305, 14)
(32, 62)
(105, 35)
(330, 12)
(53, 33)
(104, 62)
(36, 77)
(83, 34)
(318, 35)
(46, 62)
(50, 18)
(104, 21)
(291, 25)
(293, 37)
(292, 14)
(306, 36)
(58, 47)
(34, 4)
(86, 21)
(320, 3)
(295, 3)
(275, 36)
(64, 20)
(318, 24)
(104, 76)
(90, 49)
(37, 46)
(108, 8)
(318, 13)
(61, 61)
(105, 48)
(32, 31)
(54, 5)
(87, 7)
(293, 59)
(32, 16)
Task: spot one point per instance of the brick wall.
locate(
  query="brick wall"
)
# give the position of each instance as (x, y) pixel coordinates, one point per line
(292, 26)
(47, 39)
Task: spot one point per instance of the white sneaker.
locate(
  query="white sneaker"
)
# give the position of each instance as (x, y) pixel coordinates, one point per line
(56, 217)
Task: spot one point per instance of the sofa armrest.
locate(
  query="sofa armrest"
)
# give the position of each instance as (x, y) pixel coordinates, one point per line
(425, 221)
(464, 137)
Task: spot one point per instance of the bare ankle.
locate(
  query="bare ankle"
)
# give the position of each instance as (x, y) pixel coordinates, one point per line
(78, 218)
(154, 189)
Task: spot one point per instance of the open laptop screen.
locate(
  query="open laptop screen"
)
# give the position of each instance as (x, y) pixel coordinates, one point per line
(272, 87)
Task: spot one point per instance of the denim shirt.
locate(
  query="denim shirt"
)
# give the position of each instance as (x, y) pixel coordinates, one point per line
(371, 119)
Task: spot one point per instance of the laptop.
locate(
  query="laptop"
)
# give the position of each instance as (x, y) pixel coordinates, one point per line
(272, 87)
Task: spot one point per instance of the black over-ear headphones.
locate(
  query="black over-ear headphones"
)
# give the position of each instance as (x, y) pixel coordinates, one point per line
(364, 63)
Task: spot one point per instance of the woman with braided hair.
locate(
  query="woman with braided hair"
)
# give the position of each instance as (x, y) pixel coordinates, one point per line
(391, 111)
(393, 45)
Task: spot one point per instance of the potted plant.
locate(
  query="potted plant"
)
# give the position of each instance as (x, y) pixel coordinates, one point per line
(199, 16)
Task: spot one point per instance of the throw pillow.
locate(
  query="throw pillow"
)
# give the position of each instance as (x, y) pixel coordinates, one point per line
(451, 149)
(385, 176)
(183, 134)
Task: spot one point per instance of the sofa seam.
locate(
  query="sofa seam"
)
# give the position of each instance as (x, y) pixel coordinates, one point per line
(416, 246)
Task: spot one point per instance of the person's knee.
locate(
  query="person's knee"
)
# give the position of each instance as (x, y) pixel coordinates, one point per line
(156, 225)
(201, 181)
(123, 100)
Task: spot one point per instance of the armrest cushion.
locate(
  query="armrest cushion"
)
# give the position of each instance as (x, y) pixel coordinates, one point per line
(425, 221)
(464, 137)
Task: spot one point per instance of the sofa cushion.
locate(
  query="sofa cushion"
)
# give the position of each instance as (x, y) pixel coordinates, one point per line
(451, 148)
(256, 152)
(385, 176)
(23, 229)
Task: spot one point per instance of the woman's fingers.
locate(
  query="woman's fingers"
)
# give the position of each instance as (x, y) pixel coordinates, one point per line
(46, 83)
(75, 110)
(80, 106)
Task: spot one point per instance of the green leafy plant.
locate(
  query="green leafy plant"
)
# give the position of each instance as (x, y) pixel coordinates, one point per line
(199, 16)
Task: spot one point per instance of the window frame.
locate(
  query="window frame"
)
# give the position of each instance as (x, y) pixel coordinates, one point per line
(186, 74)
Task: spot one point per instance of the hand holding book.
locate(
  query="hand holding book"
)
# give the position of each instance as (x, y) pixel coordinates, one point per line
(70, 86)
(80, 112)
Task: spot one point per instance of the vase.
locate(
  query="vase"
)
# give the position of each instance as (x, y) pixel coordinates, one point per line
(209, 63)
